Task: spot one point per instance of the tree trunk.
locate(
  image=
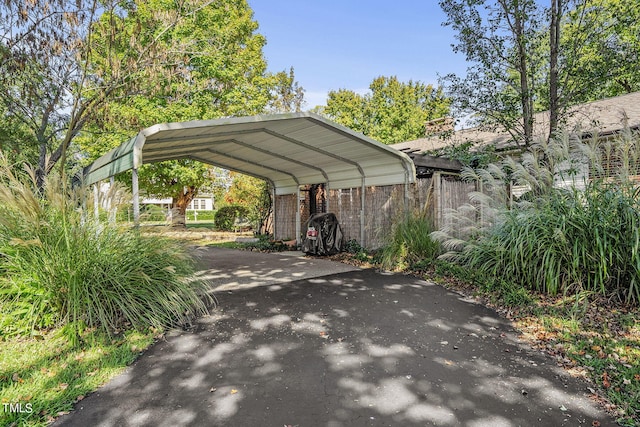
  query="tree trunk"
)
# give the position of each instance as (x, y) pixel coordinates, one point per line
(554, 44)
(266, 222)
(179, 208)
(526, 100)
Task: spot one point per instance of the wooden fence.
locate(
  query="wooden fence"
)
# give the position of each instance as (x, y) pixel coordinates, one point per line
(384, 205)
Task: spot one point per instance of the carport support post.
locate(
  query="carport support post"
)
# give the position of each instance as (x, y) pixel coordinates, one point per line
(96, 201)
(363, 189)
(273, 207)
(298, 225)
(326, 197)
(112, 208)
(136, 193)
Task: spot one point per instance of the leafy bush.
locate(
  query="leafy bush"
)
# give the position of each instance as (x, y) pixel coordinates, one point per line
(59, 268)
(225, 216)
(353, 247)
(265, 244)
(410, 242)
(153, 213)
(557, 240)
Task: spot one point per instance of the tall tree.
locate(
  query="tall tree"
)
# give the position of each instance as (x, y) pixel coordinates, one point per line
(600, 40)
(287, 95)
(48, 75)
(554, 47)
(253, 194)
(527, 58)
(213, 67)
(393, 111)
(500, 42)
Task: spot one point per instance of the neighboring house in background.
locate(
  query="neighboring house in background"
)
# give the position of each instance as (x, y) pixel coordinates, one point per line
(204, 202)
(164, 204)
(607, 117)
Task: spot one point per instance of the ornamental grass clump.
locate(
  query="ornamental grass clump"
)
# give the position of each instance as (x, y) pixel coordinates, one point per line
(410, 243)
(59, 268)
(575, 226)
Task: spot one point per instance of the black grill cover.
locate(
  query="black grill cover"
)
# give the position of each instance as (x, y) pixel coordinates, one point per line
(323, 236)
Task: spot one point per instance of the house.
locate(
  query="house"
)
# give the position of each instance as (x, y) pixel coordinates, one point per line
(203, 202)
(607, 117)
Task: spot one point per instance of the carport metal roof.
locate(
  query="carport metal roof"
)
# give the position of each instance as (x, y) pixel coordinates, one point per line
(288, 150)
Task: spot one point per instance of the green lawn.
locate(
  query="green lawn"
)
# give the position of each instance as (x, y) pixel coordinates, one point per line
(45, 375)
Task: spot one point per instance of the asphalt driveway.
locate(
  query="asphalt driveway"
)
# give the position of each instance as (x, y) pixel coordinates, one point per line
(309, 342)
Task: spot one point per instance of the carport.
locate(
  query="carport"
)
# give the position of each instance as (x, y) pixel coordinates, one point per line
(287, 150)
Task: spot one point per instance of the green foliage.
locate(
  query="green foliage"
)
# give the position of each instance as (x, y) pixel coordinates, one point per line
(201, 215)
(410, 243)
(265, 244)
(286, 94)
(226, 216)
(252, 194)
(555, 240)
(357, 250)
(168, 179)
(213, 67)
(502, 290)
(603, 37)
(353, 247)
(153, 213)
(501, 43)
(392, 112)
(467, 153)
(511, 75)
(43, 363)
(59, 269)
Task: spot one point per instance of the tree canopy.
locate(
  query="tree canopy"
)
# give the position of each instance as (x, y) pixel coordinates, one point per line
(525, 58)
(213, 67)
(56, 71)
(79, 78)
(500, 41)
(393, 111)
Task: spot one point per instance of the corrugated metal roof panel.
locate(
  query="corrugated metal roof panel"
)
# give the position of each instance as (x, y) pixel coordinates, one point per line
(285, 149)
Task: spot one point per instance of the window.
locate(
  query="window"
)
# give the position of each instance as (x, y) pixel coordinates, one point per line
(203, 204)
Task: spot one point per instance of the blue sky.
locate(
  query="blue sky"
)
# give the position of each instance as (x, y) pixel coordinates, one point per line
(334, 44)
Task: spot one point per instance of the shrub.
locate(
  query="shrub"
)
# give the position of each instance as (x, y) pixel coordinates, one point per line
(410, 242)
(557, 240)
(58, 268)
(153, 213)
(266, 244)
(225, 217)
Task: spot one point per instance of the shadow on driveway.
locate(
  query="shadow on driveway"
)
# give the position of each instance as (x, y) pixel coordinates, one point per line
(354, 348)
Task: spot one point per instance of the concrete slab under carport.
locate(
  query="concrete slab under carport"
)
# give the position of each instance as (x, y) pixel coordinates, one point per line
(230, 270)
(352, 348)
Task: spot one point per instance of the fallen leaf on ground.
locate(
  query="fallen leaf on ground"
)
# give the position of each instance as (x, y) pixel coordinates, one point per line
(605, 380)
(234, 391)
